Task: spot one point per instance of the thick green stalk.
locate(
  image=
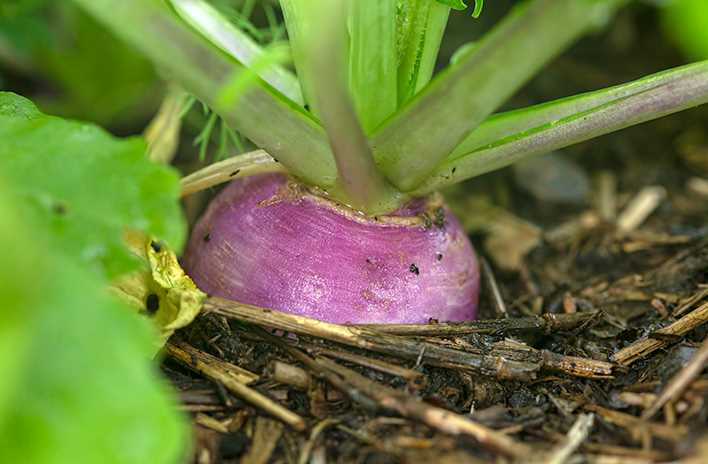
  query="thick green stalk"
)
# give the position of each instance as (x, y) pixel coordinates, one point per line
(372, 60)
(425, 131)
(221, 32)
(325, 61)
(573, 120)
(261, 113)
(299, 24)
(503, 125)
(420, 26)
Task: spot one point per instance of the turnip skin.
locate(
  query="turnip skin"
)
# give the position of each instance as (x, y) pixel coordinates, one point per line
(269, 242)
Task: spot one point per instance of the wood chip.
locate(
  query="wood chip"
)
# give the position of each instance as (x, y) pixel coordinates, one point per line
(644, 346)
(640, 208)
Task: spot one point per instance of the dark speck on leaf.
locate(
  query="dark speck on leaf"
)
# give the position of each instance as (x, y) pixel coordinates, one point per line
(414, 269)
(235, 173)
(156, 246)
(59, 208)
(206, 238)
(439, 256)
(152, 303)
(454, 169)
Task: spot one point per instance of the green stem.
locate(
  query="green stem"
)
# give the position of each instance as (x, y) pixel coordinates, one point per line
(578, 119)
(424, 132)
(420, 28)
(325, 53)
(299, 24)
(372, 60)
(221, 32)
(262, 114)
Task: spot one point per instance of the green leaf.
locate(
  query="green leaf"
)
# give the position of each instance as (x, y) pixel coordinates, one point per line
(508, 137)
(83, 188)
(454, 4)
(686, 22)
(111, 84)
(15, 270)
(410, 145)
(232, 40)
(324, 51)
(263, 114)
(420, 26)
(77, 383)
(373, 66)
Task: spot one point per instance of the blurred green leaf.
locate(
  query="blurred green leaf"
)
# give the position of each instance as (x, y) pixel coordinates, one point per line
(77, 385)
(84, 188)
(454, 4)
(88, 71)
(10, 8)
(15, 272)
(686, 22)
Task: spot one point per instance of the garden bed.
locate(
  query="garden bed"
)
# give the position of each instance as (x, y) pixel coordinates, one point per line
(592, 329)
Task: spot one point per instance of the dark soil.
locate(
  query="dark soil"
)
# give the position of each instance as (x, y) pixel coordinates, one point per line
(611, 281)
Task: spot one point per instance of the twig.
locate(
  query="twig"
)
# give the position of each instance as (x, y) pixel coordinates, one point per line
(244, 165)
(265, 438)
(640, 207)
(491, 282)
(577, 434)
(498, 366)
(437, 418)
(680, 381)
(201, 360)
(371, 363)
(635, 425)
(210, 423)
(372, 341)
(545, 323)
(287, 374)
(310, 444)
(371, 395)
(225, 376)
(645, 346)
(607, 195)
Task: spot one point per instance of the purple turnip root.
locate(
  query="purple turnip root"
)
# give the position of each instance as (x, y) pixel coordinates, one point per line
(271, 242)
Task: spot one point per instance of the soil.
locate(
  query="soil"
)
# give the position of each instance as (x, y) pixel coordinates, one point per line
(594, 306)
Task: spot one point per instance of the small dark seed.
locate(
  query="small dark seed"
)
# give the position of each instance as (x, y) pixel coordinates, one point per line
(206, 238)
(439, 256)
(152, 303)
(235, 173)
(414, 269)
(156, 246)
(454, 169)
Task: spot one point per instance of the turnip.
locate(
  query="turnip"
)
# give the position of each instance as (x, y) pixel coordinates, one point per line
(355, 233)
(269, 241)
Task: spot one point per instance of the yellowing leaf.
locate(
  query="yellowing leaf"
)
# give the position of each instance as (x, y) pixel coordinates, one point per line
(163, 292)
